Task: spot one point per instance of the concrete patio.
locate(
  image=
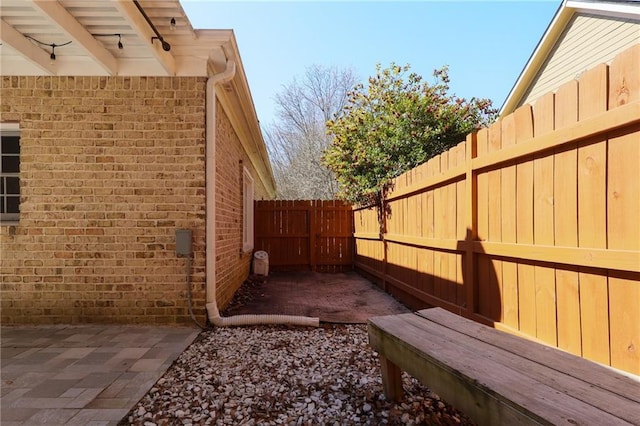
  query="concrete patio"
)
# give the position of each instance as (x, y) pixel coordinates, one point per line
(82, 375)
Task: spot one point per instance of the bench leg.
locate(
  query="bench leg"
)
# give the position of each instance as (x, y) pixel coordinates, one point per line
(391, 379)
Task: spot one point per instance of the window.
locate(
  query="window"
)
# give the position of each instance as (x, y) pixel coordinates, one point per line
(9, 172)
(247, 209)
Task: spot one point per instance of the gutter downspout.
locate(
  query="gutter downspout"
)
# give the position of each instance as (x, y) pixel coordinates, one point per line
(210, 154)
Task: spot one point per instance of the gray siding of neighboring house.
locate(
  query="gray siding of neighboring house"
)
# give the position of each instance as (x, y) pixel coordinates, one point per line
(587, 41)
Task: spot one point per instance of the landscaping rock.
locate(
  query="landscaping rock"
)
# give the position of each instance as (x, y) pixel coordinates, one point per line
(272, 375)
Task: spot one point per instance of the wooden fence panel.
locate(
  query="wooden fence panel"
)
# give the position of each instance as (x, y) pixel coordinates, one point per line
(461, 225)
(623, 213)
(282, 230)
(544, 275)
(334, 236)
(524, 233)
(486, 206)
(508, 204)
(305, 235)
(565, 216)
(530, 225)
(492, 272)
(592, 152)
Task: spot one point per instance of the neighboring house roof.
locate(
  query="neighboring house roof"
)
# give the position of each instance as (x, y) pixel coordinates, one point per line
(156, 38)
(582, 34)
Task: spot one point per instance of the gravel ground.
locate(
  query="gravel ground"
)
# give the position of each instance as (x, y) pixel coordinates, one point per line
(284, 375)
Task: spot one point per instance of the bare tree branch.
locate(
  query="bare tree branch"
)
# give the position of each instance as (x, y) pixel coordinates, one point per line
(298, 138)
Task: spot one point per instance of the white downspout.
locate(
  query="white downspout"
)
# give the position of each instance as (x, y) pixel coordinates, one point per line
(210, 262)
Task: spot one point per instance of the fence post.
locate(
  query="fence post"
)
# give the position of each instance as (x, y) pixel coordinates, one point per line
(312, 207)
(382, 224)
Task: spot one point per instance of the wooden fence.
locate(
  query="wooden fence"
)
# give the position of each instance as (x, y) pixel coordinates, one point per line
(305, 235)
(532, 224)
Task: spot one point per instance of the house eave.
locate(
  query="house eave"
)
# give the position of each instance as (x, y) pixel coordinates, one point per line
(565, 12)
(237, 101)
(122, 38)
(616, 9)
(537, 58)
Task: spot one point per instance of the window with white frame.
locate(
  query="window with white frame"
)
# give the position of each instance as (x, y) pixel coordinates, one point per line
(247, 210)
(9, 172)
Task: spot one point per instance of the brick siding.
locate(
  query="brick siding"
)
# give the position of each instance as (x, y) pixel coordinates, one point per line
(111, 167)
(232, 265)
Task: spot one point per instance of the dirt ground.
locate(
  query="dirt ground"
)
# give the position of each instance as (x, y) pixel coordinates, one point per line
(345, 298)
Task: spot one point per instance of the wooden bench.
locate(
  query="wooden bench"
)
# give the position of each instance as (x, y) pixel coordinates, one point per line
(497, 378)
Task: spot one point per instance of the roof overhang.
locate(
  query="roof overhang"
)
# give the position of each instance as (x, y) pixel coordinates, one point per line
(565, 12)
(31, 30)
(235, 97)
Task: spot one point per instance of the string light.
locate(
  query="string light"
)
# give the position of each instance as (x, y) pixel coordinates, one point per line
(120, 45)
(53, 46)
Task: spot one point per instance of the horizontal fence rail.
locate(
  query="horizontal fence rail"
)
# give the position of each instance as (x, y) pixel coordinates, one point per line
(532, 225)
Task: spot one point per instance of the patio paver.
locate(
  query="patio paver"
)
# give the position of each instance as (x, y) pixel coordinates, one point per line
(84, 374)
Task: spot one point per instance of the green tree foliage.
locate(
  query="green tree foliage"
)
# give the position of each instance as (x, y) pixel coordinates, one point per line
(393, 124)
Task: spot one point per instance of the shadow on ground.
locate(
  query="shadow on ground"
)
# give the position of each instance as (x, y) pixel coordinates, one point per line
(345, 298)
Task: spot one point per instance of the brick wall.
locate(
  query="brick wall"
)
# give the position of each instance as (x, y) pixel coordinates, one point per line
(110, 168)
(232, 264)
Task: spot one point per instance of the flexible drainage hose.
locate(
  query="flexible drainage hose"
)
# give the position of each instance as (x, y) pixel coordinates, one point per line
(239, 320)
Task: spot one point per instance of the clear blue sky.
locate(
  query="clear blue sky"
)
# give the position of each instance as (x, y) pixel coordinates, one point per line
(485, 44)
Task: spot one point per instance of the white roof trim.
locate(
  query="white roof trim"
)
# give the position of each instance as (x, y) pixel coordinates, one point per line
(536, 59)
(622, 9)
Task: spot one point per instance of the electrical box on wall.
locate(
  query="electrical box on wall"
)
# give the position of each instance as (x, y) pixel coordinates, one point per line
(183, 242)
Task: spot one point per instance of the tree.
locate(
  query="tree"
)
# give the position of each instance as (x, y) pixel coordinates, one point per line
(394, 124)
(298, 138)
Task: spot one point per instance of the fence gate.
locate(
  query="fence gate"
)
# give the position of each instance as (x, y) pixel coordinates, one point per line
(311, 235)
